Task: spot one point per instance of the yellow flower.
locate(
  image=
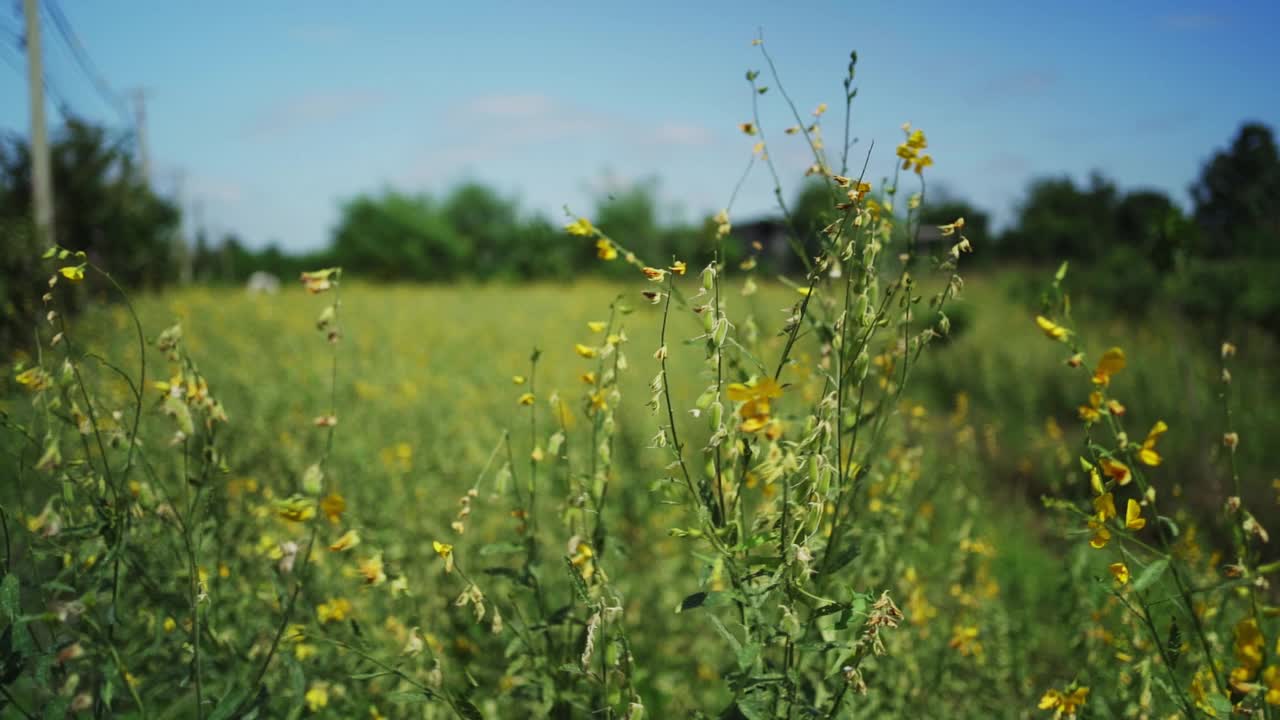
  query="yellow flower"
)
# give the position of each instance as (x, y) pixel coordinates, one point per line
(678, 267)
(318, 281)
(1120, 572)
(1064, 704)
(755, 402)
(317, 696)
(1148, 454)
(1133, 519)
(921, 163)
(74, 273)
(1050, 328)
(526, 399)
(170, 625)
(584, 351)
(1105, 506)
(349, 539)
(965, 641)
(822, 107)
(597, 326)
(335, 610)
(1101, 535)
(444, 550)
(1117, 471)
(1271, 678)
(1091, 413)
(581, 227)
(372, 570)
(34, 379)
(517, 379)
(654, 274)
(599, 400)
(296, 508)
(605, 250)
(748, 128)
(1112, 362)
(588, 377)
(333, 505)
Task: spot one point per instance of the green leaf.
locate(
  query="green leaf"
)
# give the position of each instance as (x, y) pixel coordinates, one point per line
(10, 596)
(1150, 574)
(467, 709)
(505, 548)
(705, 599)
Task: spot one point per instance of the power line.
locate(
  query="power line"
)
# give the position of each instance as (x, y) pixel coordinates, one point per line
(72, 41)
(59, 100)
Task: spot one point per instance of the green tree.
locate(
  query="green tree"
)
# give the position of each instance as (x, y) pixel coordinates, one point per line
(1235, 197)
(398, 236)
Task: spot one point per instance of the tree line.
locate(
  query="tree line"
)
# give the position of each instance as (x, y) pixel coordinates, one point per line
(1217, 260)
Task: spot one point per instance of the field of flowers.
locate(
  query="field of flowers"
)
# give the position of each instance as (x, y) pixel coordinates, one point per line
(878, 490)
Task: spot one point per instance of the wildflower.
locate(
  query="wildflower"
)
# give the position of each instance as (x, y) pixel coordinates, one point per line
(34, 379)
(335, 610)
(964, 640)
(1228, 350)
(605, 250)
(526, 399)
(921, 163)
(599, 400)
(318, 281)
(1105, 507)
(679, 267)
(822, 107)
(444, 550)
(348, 540)
(170, 625)
(296, 508)
(74, 273)
(1111, 362)
(326, 421)
(653, 297)
(951, 228)
(1117, 471)
(1148, 454)
(747, 128)
(517, 379)
(722, 224)
(588, 378)
(317, 696)
(1050, 328)
(1091, 413)
(584, 351)
(1120, 572)
(1064, 704)
(581, 227)
(654, 274)
(755, 398)
(1231, 440)
(333, 505)
(1271, 678)
(1101, 535)
(373, 571)
(597, 326)
(581, 556)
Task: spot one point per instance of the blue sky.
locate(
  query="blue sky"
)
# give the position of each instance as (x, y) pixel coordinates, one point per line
(274, 112)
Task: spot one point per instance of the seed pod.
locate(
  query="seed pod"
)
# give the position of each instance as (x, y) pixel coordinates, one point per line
(860, 365)
(708, 322)
(709, 277)
(721, 331)
(859, 311)
(814, 474)
(717, 416)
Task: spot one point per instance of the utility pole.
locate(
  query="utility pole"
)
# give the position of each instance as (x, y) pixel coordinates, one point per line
(140, 131)
(41, 181)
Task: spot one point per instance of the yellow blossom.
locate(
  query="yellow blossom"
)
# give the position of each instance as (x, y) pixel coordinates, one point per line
(526, 399)
(1133, 519)
(517, 379)
(1064, 704)
(1050, 328)
(1111, 362)
(1101, 535)
(584, 351)
(1105, 506)
(296, 508)
(605, 249)
(317, 696)
(335, 610)
(1120, 572)
(348, 540)
(588, 377)
(372, 570)
(444, 550)
(581, 227)
(1116, 470)
(1148, 454)
(679, 267)
(318, 281)
(654, 274)
(333, 505)
(747, 128)
(597, 326)
(755, 410)
(74, 273)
